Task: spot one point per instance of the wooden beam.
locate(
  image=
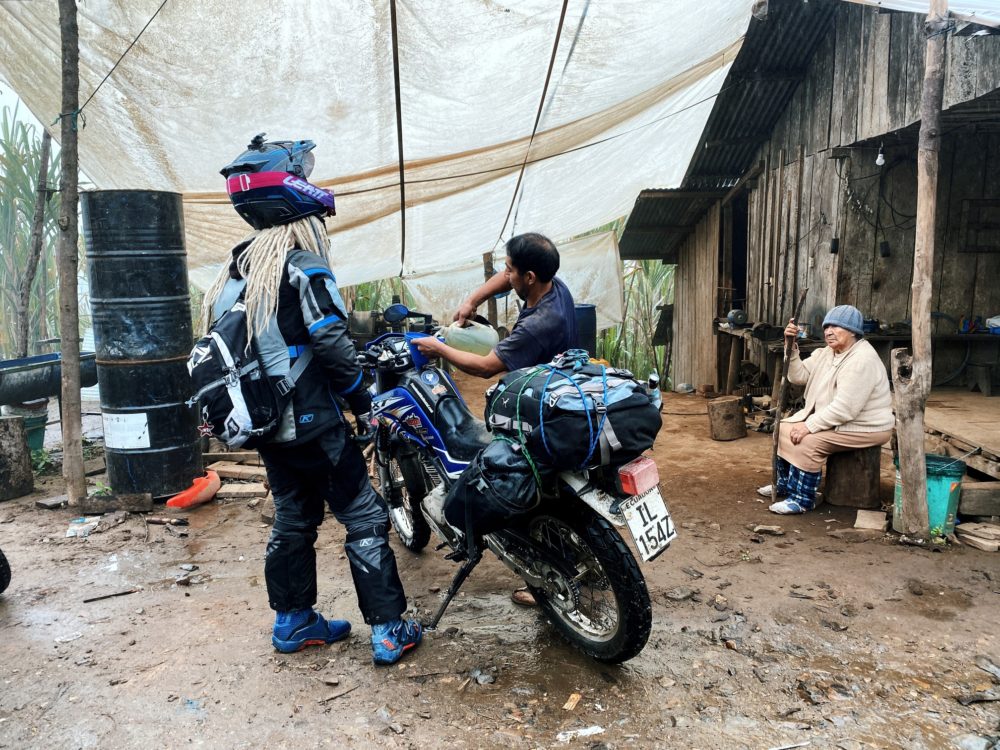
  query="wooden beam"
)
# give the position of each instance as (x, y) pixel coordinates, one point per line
(746, 140)
(658, 228)
(740, 186)
(912, 373)
(708, 195)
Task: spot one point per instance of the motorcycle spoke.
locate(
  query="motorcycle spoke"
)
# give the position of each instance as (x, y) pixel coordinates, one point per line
(595, 611)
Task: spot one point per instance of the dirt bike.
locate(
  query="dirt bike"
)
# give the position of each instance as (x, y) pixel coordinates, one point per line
(567, 549)
(4, 572)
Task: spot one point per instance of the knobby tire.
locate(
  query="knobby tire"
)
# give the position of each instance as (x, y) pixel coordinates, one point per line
(627, 584)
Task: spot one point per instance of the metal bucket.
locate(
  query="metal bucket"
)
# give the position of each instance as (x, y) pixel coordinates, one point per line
(136, 264)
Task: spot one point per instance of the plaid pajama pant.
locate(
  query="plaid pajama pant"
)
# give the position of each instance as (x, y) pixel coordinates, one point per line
(798, 485)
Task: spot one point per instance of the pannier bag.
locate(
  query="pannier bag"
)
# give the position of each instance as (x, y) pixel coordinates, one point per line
(240, 404)
(572, 413)
(498, 485)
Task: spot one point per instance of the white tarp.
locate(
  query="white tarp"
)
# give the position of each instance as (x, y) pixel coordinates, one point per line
(980, 11)
(589, 266)
(631, 87)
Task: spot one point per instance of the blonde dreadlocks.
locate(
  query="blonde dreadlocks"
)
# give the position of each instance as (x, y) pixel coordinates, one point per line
(262, 264)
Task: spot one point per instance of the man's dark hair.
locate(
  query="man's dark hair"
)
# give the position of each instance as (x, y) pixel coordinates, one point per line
(533, 252)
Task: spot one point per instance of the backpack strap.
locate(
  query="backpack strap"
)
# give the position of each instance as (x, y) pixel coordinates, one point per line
(287, 383)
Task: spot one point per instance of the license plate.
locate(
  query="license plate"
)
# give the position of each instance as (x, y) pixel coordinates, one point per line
(649, 523)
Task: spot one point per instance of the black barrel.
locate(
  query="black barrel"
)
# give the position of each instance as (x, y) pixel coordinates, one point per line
(586, 328)
(141, 308)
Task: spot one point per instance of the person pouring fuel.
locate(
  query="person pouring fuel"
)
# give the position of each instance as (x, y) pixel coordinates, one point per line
(545, 327)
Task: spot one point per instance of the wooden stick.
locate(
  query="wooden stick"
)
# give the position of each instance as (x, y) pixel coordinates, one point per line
(781, 399)
(340, 693)
(109, 596)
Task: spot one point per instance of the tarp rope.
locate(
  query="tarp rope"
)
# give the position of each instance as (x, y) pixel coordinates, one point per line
(399, 135)
(78, 112)
(538, 118)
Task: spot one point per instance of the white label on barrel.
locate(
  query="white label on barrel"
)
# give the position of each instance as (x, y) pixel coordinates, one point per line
(126, 431)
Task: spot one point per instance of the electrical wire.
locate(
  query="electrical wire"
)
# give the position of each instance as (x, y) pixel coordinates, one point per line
(538, 118)
(127, 50)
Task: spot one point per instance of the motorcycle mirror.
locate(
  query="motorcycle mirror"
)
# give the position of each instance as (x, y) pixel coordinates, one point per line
(396, 313)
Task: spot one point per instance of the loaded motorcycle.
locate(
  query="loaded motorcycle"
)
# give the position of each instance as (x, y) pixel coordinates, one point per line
(567, 548)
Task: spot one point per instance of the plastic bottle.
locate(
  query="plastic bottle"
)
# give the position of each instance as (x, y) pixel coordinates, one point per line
(475, 338)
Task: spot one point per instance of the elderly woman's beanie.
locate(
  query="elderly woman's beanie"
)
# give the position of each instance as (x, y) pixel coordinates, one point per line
(847, 317)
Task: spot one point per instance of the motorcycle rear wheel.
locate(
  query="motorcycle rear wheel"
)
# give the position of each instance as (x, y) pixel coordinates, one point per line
(4, 573)
(605, 610)
(405, 473)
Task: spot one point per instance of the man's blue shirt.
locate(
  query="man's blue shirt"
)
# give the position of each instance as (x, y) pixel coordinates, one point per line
(541, 332)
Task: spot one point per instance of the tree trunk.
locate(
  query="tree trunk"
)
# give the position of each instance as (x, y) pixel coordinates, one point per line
(16, 479)
(912, 374)
(35, 252)
(725, 418)
(69, 261)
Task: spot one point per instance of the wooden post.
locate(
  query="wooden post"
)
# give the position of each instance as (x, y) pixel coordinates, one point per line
(35, 251)
(491, 303)
(912, 374)
(69, 260)
(735, 358)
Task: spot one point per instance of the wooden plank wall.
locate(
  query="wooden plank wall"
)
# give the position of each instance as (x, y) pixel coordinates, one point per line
(695, 301)
(865, 81)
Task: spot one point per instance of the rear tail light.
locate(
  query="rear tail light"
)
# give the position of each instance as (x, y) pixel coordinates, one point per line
(638, 476)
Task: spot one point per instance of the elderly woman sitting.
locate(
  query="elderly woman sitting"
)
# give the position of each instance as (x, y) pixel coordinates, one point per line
(848, 406)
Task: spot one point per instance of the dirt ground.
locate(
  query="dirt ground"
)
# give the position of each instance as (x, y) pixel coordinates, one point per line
(800, 640)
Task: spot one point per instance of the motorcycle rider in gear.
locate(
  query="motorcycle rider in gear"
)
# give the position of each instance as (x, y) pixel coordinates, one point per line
(293, 303)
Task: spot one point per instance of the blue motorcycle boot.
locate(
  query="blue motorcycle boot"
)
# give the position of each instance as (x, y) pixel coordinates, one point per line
(391, 640)
(294, 631)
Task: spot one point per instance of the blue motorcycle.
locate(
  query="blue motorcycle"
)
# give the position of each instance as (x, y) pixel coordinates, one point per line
(567, 549)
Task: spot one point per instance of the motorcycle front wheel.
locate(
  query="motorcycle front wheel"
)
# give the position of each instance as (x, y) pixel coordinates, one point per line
(403, 475)
(604, 609)
(4, 572)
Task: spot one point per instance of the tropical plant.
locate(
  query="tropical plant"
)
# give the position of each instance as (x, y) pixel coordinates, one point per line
(374, 295)
(20, 160)
(649, 284)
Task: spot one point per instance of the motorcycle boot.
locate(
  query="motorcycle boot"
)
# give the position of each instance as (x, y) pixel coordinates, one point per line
(391, 640)
(294, 631)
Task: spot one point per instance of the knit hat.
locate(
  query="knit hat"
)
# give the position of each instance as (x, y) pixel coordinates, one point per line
(847, 317)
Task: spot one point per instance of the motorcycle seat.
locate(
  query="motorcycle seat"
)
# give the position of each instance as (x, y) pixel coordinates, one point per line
(463, 434)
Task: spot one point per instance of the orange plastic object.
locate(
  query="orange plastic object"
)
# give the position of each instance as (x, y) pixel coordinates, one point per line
(203, 490)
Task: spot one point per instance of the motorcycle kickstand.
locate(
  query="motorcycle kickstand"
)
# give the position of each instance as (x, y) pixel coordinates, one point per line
(475, 555)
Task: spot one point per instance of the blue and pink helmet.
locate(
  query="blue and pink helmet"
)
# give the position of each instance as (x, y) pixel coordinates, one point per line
(268, 184)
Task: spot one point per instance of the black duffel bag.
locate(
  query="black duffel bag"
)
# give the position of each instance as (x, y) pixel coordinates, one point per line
(572, 414)
(498, 485)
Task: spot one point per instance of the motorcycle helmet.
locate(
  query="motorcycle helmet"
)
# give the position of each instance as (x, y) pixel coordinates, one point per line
(268, 183)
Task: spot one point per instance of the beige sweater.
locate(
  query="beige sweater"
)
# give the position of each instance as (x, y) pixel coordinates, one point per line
(847, 392)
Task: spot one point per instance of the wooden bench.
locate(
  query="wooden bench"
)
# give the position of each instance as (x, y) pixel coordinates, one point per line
(852, 478)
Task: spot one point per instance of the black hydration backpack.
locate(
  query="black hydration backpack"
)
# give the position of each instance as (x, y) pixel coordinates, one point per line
(240, 404)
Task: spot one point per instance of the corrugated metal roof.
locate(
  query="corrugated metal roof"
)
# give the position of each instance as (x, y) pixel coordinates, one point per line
(773, 59)
(661, 219)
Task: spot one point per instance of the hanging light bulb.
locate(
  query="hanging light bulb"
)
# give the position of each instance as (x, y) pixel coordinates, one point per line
(880, 159)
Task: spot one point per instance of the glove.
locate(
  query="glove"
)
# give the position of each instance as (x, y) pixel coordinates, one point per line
(360, 403)
(363, 432)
